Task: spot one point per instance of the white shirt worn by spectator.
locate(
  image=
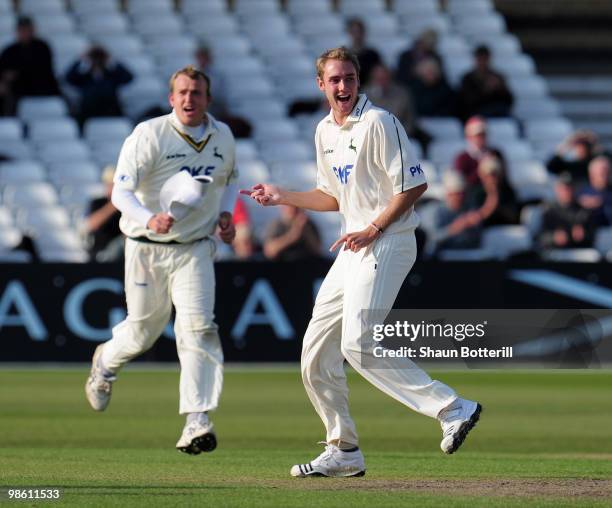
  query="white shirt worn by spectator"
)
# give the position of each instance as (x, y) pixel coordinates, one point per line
(364, 163)
(156, 150)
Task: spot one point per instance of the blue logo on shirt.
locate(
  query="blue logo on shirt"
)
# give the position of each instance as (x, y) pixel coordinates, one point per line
(198, 170)
(342, 173)
(416, 170)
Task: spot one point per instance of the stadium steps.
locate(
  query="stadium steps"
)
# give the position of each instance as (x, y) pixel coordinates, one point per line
(587, 102)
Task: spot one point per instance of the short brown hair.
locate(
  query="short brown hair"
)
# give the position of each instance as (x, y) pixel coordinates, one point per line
(193, 73)
(342, 53)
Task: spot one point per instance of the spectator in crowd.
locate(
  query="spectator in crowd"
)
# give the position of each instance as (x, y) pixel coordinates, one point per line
(483, 91)
(243, 244)
(98, 78)
(239, 126)
(493, 197)
(467, 161)
(291, 237)
(432, 94)
(596, 196)
(104, 238)
(424, 48)
(565, 224)
(456, 226)
(368, 57)
(574, 155)
(384, 92)
(26, 68)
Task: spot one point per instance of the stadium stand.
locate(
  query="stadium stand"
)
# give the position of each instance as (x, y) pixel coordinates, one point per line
(265, 50)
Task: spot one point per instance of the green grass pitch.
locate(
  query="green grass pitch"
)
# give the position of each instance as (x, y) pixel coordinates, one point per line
(544, 439)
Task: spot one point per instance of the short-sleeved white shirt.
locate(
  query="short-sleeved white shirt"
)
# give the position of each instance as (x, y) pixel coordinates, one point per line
(156, 150)
(364, 163)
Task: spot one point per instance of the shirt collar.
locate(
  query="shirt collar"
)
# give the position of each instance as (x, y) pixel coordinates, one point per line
(362, 104)
(211, 123)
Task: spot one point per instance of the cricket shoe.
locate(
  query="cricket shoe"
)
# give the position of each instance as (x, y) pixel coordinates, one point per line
(197, 437)
(457, 420)
(332, 462)
(99, 383)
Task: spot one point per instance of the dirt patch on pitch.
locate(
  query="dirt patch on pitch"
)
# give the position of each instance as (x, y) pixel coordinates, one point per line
(528, 487)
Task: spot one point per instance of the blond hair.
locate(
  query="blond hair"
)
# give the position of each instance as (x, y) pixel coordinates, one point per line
(342, 53)
(192, 73)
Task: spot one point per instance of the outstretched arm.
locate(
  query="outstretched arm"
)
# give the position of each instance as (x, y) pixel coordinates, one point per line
(272, 195)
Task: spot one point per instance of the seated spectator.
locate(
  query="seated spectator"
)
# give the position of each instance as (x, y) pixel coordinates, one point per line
(104, 238)
(467, 161)
(483, 91)
(433, 96)
(424, 48)
(573, 156)
(493, 197)
(243, 244)
(291, 237)
(384, 92)
(596, 196)
(26, 68)
(565, 224)
(98, 78)
(456, 226)
(368, 57)
(218, 107)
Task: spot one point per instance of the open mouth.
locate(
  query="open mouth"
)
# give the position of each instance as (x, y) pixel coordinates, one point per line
(189, 109)
(344, 98)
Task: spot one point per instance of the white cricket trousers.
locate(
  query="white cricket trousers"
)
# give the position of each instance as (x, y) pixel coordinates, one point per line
(368, 279)
(157, 276)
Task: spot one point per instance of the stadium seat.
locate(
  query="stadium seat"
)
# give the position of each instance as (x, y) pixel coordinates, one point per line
(209, 26)
(443, 152)
(361, 8)
(96, 25)
(17, 149)
(121, 45)
(289, 151)
(299, 8)
(41, 107)
(475, 255)
(246, 150)
(60, 245)
(78, 196)
(64, 150)
(6, 217)
(7, 28)
(54, 24)
(416, 8)
(32, 194)
(246, 8)
(94, 7)
(504, 241)
(163, 7)
(315, 25)
(53, 129)
(211, 6)
(469, 7)
(153, 26)
(72, 173)
(10, 129)
(536, 108)
(106, 152)
(554, 129)
(603, 242)
(516, 66)
(107, 128)
(43, 218)
(41, 7)
(531, 218)
(526, 87)
(444, 128)
(10, 237)
(19, 172)
(516, 150)
(415, 25)
(142, 94)
(253, 172)
(571, 255)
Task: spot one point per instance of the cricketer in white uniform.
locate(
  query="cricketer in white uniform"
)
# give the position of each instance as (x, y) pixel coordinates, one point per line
(169, 260)
(366, 169)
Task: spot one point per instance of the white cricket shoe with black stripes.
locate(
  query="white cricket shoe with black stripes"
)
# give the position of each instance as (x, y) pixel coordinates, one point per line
(332, 462)
(457, 420)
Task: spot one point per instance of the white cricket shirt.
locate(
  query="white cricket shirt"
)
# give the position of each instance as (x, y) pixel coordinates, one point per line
(160, 148)
(364, 163)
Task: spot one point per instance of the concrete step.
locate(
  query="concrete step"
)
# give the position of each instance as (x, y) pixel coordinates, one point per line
(603, 128)
(588, 108)
(587, 85)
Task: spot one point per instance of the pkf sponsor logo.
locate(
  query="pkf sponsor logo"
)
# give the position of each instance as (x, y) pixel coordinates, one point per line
(416, 170)
(198, 170)
(343, 172)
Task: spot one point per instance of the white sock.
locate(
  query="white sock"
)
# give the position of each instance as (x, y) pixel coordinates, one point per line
(202, 418)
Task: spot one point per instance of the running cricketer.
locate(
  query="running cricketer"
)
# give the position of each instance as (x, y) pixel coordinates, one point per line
(367, 171)
(170, 261)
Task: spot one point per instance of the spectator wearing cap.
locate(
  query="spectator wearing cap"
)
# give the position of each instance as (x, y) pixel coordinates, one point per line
(484, 91)
(574, 155)
(466, 162)
(597, 194)
(456, 225)
(102, 224)
(98, 78)
(368, 57)
(565, 224)
(493, 197)
(26, 67)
